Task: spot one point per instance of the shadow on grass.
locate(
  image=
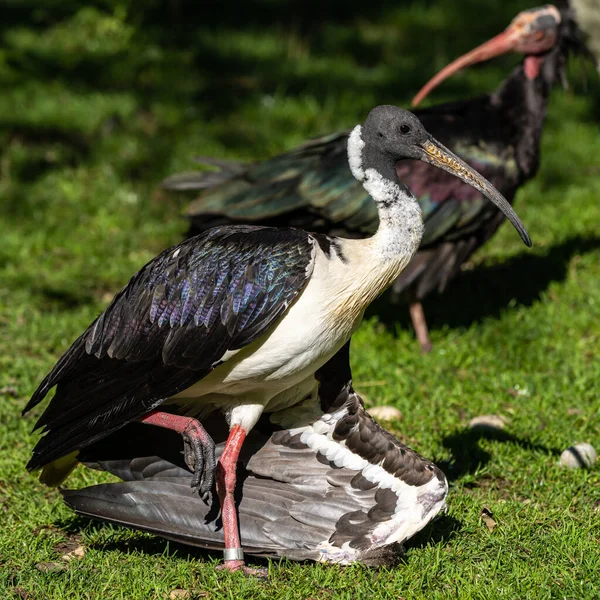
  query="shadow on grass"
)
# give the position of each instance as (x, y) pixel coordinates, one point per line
(472, 297)
(488, 291)
(234, 74)
(438, 532)
(153, 545)
(468, 456)
(314, 22)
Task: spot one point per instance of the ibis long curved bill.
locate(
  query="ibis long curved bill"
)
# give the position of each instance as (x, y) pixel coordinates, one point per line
(438, 155)
(532, 32)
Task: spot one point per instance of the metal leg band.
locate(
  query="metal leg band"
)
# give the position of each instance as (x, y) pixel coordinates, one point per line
(233, 554)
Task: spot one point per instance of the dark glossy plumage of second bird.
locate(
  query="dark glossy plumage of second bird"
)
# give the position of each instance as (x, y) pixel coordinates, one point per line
(499, 135)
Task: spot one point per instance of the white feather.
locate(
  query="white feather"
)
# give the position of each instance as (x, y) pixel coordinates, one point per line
(355, 148)
(416, 505)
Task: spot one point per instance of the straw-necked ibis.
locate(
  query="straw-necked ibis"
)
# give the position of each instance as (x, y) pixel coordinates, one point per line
(238, 320)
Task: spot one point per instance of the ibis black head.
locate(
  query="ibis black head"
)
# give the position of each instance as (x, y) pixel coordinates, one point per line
(390, 134)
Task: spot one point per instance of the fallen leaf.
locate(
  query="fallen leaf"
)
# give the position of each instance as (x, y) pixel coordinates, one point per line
(78, 553)
(179, 593)
(67, 545)
(50, 567)
(71, 548)
(488, 518)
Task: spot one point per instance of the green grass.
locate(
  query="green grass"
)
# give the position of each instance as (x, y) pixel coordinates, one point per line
(100, 100)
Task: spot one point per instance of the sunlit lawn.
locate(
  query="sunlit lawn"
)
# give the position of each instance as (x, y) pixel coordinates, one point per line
(99, 102)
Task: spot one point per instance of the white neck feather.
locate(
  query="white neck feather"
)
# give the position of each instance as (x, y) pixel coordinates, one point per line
(360, 269)
(355, 148)
(400, 219)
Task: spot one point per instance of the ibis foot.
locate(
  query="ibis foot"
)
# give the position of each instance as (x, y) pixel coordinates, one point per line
(420, 325)
(238, 565)
(198, 447)
(199, 456)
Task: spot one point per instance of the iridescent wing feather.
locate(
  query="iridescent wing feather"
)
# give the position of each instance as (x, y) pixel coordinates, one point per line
(168, 328)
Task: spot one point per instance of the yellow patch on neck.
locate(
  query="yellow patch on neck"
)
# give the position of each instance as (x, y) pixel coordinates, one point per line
(360, 289)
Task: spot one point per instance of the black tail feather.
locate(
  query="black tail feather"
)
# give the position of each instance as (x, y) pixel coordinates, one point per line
(201, 180)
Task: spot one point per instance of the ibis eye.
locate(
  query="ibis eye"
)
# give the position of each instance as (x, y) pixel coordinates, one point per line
(404, 129)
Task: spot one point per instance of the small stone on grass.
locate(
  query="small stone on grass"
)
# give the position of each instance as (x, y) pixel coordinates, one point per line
(79, 552)
(385, 413)
(178, 594)
(578, 456)
(488, 422)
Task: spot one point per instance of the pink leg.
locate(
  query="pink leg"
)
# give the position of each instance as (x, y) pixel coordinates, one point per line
(226, 480)
(199, 448)
(420, 324)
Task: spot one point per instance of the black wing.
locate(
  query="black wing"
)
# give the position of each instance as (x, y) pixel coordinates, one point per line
(167, 329)
(291, 499)
(289, 516)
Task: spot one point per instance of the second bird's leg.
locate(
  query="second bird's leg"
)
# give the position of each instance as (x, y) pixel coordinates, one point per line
(199, 447)
(420, 324)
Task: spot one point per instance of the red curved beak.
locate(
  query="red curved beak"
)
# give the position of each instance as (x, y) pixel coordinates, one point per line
(503, 43)
(531, 32)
